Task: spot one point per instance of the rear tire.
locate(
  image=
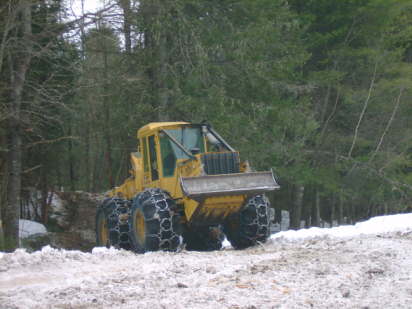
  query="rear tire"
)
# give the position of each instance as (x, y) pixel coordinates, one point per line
(112, 228)
(205, 238)
(251, 225)
(154, 223)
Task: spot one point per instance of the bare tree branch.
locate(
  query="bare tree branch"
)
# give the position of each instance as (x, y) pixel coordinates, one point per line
(365, 105)
(388, 125)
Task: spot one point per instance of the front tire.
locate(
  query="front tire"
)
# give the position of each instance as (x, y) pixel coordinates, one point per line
(251, 225)
(154, 223)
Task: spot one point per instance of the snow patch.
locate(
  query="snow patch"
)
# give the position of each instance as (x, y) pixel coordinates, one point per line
(28, 228)
(226, 243)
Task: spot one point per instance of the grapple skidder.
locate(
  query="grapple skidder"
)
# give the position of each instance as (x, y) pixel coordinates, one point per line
(187, 185)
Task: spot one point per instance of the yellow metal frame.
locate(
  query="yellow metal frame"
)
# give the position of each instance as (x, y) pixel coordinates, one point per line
(211, 208)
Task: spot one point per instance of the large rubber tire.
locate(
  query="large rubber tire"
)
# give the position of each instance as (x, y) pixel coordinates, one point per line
(154, 223)
(251, 225)
(112, 227)
(205, 238)
(102, 230)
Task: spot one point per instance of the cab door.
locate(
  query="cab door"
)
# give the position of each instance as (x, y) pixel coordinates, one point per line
(151, 163)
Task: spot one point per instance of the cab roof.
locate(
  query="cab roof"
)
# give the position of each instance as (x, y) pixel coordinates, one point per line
(155, 126)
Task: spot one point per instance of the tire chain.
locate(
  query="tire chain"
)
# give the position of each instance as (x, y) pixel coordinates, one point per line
(167, 234)
(118, 212)
(257, 208)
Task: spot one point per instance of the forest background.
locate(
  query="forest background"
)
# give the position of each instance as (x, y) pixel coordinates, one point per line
(318, 90)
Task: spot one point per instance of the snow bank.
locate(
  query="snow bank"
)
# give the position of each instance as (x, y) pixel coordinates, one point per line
(357, 272)
(376, 225)
(27, 228)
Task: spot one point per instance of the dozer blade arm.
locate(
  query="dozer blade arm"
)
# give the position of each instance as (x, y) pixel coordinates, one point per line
(200, 187)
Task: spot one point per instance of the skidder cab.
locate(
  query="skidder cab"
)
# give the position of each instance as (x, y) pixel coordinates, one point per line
(186, 183)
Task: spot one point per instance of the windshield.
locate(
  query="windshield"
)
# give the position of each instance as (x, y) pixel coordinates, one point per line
(190, 138)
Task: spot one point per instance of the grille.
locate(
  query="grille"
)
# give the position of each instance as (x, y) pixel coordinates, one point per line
(221, 163)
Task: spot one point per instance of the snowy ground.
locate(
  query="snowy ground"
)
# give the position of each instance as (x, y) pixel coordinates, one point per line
(368, 265)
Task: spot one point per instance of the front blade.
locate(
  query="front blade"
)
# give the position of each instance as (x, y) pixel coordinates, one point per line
(200, 187)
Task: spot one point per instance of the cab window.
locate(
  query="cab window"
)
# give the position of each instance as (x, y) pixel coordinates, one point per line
(190, 138)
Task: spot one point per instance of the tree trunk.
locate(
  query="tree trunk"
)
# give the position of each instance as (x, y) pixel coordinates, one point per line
(155, 40)
(20, 64)
(72, 162)
(297, 207)
(87, 159)
(44, 196)
(385, 208)
(316, 210)
(107, 116)
(163, 96)
(125, 4)
(3, 184)
(340, 209)
(161, 79)
(333, 210)
(2, 246)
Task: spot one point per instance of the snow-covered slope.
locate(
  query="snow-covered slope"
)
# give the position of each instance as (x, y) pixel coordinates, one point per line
(368, 265)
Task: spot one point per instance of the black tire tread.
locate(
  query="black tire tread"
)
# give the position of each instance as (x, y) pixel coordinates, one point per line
(113, 208)
(162, 222)
(251, 225)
